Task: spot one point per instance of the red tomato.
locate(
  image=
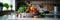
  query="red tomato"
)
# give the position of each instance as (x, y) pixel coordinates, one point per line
(16, 15)
(35, 11)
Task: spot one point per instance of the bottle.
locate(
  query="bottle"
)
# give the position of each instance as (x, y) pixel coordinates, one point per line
(1, 6)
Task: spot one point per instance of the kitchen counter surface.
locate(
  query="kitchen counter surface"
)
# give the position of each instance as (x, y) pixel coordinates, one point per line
(13, 17)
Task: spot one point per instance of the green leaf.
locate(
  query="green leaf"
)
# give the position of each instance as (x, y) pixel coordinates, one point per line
(6, 5)
(11, 5)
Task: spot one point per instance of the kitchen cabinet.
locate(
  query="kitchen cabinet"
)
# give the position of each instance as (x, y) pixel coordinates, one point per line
(50, 7)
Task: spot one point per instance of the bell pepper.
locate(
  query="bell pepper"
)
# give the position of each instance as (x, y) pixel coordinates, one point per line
(32, 8)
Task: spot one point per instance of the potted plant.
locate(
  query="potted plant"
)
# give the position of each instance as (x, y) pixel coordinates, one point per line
(11, 6)
(6, 5)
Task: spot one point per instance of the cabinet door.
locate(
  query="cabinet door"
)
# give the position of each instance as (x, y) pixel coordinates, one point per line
(50, 7)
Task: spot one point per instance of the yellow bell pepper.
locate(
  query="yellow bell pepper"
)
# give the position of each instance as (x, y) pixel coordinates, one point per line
(32, 8)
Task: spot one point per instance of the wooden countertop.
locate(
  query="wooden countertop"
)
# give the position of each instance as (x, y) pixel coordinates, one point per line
(6, 12)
